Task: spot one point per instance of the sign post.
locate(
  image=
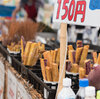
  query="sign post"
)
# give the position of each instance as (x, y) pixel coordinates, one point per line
(80, 12)
(63, 52)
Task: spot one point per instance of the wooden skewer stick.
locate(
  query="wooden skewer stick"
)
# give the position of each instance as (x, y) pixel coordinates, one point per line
(63, 53)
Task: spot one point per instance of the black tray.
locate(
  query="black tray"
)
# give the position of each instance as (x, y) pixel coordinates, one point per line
(28, 74)
(34, 75)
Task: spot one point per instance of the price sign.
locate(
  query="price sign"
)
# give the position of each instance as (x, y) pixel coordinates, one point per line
(81, 12)
(12, 86)
(21, 92)
(2, 77)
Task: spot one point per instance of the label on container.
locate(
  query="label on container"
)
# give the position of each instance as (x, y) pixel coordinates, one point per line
(12, 86)
(46, 94)
(9, 59)
(2, 77)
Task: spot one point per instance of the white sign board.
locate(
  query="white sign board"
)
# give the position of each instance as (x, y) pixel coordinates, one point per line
(29, 96)
(81, 12)
(12, 83)
(2, 76)
(21, 92)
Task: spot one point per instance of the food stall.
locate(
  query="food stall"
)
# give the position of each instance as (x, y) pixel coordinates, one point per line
(33, 63)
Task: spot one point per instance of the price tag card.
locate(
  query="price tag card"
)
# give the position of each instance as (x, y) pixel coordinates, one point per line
(81, 12)
(21, 92)
(12, 86)
(2, 78)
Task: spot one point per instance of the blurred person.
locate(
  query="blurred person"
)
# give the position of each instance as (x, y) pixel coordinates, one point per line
(30, 6)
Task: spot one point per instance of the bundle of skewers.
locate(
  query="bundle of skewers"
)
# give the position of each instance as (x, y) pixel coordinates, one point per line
(77, 60)
(14, 47)
(76, 63)
(31, 52)
(50, 64)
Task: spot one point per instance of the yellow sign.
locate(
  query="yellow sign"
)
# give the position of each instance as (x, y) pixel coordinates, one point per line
(6, 1)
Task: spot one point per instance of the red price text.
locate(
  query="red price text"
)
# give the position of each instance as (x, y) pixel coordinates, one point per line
(73, 10)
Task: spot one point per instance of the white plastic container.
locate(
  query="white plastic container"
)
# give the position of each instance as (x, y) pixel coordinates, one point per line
(83, 83)
(90, 92)
(66, 92)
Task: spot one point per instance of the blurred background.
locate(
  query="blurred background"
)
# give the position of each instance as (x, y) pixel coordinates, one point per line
(40, 12)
